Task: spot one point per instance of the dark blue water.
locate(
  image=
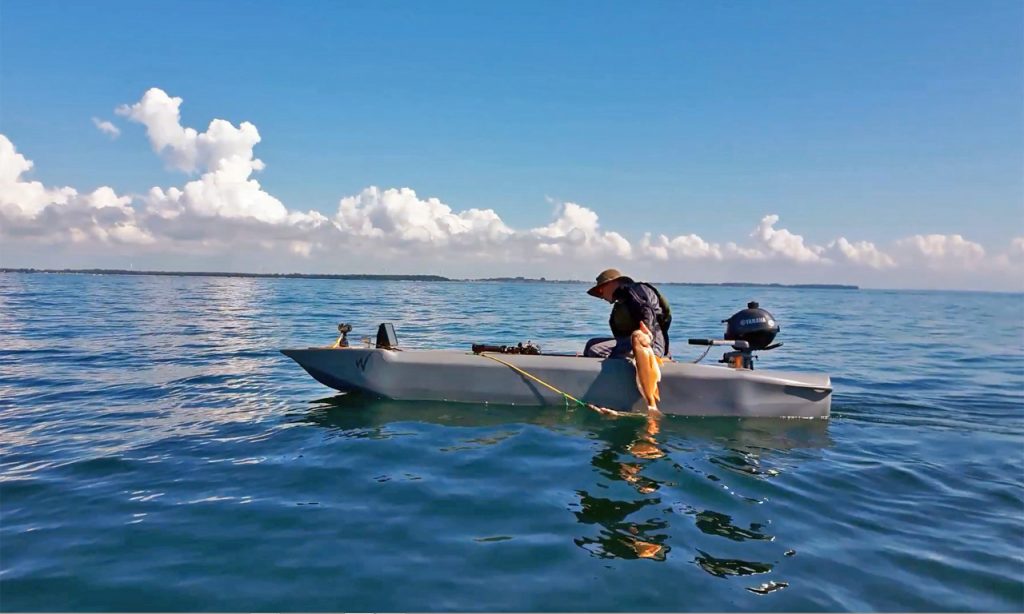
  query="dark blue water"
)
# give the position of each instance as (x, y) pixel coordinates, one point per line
(158, 453)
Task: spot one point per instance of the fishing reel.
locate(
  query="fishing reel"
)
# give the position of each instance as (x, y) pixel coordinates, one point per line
(750, 330)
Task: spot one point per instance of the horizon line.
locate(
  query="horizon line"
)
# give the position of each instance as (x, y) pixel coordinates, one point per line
(442, 278)
(399, 277)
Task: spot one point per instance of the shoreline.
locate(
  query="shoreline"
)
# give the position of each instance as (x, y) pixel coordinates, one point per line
(402, 277)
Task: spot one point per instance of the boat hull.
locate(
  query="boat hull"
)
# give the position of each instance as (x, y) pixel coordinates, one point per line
(453, 376)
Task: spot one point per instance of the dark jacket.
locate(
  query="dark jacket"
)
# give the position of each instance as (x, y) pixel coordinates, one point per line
(639, 302)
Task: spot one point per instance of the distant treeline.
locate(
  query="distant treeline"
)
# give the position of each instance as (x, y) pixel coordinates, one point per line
(227, 274)
(736, 284)
(749, 284)
(541, 280)
(369, 277)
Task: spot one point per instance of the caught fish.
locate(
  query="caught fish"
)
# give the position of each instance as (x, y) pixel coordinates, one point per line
(648, 366)
(645, 550)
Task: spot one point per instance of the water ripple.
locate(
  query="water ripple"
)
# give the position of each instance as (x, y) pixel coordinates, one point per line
(156, 452)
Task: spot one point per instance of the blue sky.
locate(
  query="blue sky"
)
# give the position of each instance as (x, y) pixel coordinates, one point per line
(871, 120)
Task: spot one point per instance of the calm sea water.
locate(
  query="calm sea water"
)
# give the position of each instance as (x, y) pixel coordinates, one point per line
(158, 453)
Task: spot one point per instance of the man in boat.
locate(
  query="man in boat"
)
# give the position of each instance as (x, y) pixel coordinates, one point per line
(632, 303)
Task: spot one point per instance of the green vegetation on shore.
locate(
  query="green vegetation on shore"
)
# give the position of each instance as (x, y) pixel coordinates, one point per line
(381, 277)
(229, 274)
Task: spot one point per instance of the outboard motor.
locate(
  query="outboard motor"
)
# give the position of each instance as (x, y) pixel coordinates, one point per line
(753, 325)
(750, 330)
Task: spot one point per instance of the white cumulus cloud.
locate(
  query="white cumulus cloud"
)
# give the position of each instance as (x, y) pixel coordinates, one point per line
(399, 216)
(185, 148)
(228, 192)
(28, 209)
(767, 243)
(226, 189)
(939, 251)
(1016, 251)
(21, 198)
(782, 243)
(860, 252)
(222, 213)
(576, 229)
(689, 246)
(1012, 259)
(106, 127)
(400, 220)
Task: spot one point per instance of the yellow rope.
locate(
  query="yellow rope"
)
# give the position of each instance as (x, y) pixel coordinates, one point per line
(534, 378)
(600, 410)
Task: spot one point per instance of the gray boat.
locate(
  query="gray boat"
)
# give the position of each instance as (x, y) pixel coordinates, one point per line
(520, 375)
(465, 377)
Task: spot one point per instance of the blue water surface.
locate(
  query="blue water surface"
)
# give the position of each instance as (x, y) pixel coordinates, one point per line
(157, 453)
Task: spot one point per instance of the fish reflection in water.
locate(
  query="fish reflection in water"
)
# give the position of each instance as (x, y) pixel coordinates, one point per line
(619, 537)
(633, 450)
(628, 528)
(645, 446)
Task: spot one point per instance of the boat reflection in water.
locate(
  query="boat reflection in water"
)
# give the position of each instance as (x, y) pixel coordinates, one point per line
(650, 474)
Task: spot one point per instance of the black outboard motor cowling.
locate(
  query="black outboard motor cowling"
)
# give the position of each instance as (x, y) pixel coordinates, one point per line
(753, 325)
